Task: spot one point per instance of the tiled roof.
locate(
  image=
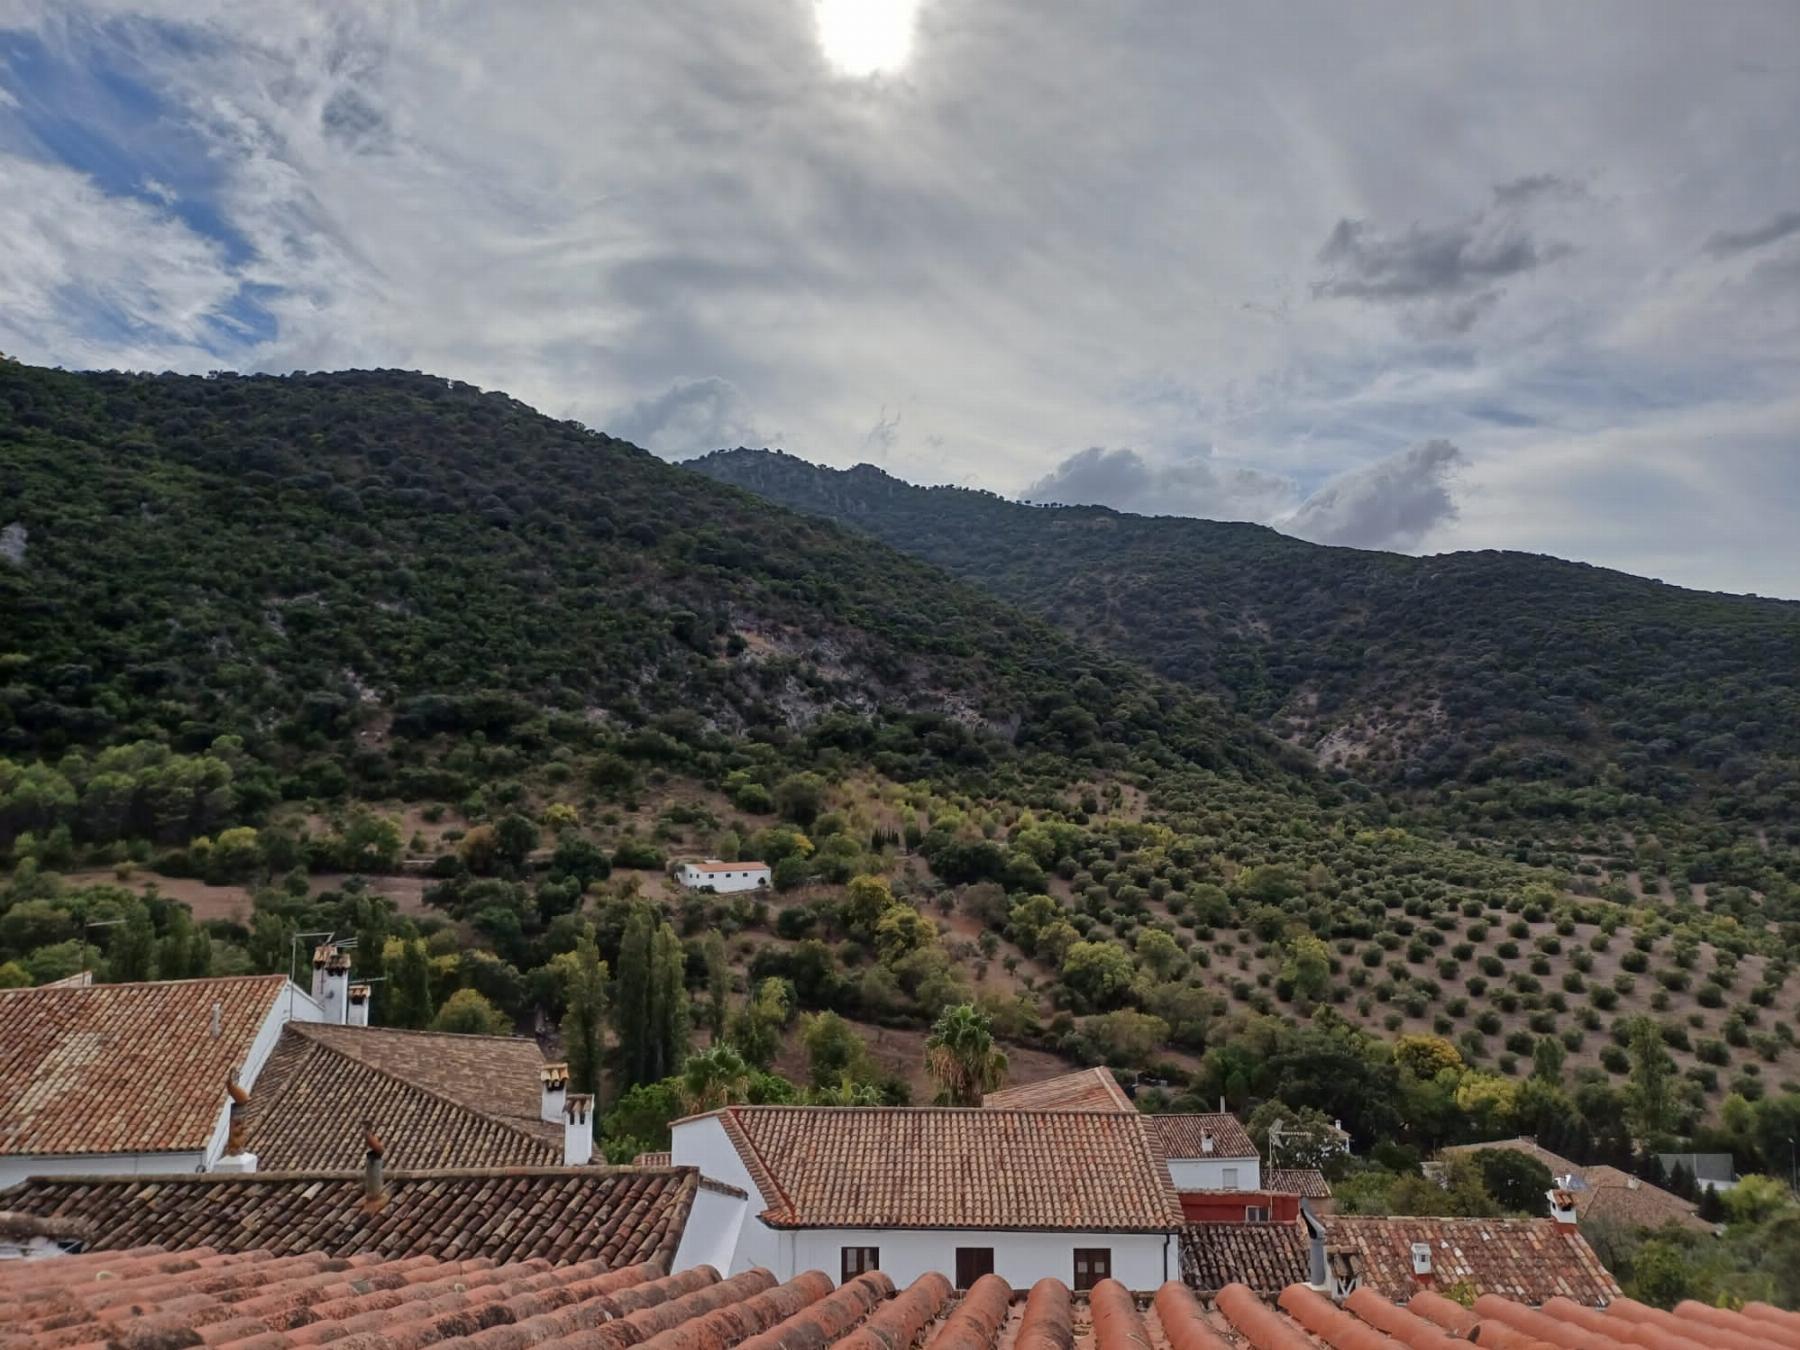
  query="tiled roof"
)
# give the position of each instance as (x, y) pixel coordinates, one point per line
(1184, 1136)
(431, 1098)
(1559, 1166)
(888, 1167)
(1266, 1256)
(713, 865)
(614, 1216)
(153, 1298)
(1304, 1181)
(1618, 1197)
(124, 1068)
(1530, 1260)
(1085, 1090)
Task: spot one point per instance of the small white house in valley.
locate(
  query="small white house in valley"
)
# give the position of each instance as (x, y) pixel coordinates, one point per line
(1079, 1196)
(725, 877)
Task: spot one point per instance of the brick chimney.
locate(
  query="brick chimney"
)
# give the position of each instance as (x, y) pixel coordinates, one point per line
(556, 1092)
(1562, 1209)
(578, 1130)
(237, 1157)
(359, 1005)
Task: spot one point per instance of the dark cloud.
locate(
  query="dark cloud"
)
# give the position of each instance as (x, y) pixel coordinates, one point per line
(1426, 263)
(1392, 504)
(1533, 187)
(690, 417)
(880, 438)
(1726, 242)
(1198, 486)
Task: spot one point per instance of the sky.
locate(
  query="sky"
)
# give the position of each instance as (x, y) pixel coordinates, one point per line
(1413, 275)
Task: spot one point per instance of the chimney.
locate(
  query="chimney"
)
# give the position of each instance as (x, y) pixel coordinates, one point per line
(1320, 1277)
(1562, 1210)
(1421, 1255)
(374, 1187)
(218, 1020)
(320, 956)
(1206, 1141)
(556, 1092)
(359, 1005)
(335, 995)
(236, 1158)
(578, 1130)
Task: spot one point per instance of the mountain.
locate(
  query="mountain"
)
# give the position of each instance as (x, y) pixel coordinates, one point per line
(1519, 696)
(333, 567)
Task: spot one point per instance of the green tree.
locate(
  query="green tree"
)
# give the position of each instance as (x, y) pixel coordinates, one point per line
(514, 838)
(411, 988)
(1158, 952)
(902, 929)
(757, 1028)
(714, 1078)
(631, 1005)
(834, 1050)
(1308, 967)
(1547, 1058)
(670, 1016)
(718, 984)
(584, 1011)
(1652, 1074)
(1099, 973)
(1516, 1180)
(866, 899)
(467, 1013)
(800, 797)
(133, 948)
(961, 1057)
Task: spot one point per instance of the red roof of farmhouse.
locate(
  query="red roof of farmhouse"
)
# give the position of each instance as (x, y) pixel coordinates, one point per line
(945, 1167)
(714, 865)
(1084, 1090)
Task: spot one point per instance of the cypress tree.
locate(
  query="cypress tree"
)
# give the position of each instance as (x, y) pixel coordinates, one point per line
(631, 1009)
(669, 1018)
(584, 1015)
(411, 1002)
(133, 949)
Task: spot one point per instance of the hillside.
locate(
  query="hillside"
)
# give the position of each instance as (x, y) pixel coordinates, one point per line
(379, 653)
(1653, 731)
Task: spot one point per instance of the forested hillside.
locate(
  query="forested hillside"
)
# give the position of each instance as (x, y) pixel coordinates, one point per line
(1523, 697)
(380, 654)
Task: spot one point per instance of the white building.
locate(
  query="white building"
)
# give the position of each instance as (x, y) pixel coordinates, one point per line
(724, 877)
(1078, 1196)
(128, 1078)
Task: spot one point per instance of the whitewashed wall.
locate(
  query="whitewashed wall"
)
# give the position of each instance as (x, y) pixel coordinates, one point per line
(715, 1227)
(1208, 1174)
(703, 1143)
(1140, 1261)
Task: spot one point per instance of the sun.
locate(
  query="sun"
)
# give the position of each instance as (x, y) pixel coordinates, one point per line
(861, 38)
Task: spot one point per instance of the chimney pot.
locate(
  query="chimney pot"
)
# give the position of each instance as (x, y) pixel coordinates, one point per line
(359, 1005)
(555, 1078)
(236, 1158)
(374, 1187)
(578, 1130)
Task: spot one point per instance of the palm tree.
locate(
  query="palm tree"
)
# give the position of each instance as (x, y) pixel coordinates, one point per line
(714, 1078)
(961, 1055)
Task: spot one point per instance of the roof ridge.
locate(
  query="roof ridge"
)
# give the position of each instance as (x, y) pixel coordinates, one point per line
(408, 1084)
(428, 1031)
(740, 1138)
(583, 1171)
(102, 985)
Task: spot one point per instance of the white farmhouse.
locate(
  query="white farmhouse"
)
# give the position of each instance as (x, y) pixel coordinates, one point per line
(1077, 1196)
(725, 877)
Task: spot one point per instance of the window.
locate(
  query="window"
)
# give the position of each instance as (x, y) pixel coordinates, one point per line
(1231, 1183)
(971, 1264)
(1256, 1213)
(859, 1261)
(1092, 1265)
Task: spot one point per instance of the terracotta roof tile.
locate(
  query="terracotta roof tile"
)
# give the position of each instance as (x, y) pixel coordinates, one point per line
(433, 1100)
(1528, 1260)
(880, 1167)
(618, 1216)
(1303, 1181)
(1185, 1136)
(1085, 1090)
(1265, 1256)
(713, 865)
(124, 1068)
(1606, 1193)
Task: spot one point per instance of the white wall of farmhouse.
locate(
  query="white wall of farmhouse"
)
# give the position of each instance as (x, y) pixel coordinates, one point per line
(1216, 1174)
(1140, 1261)
(725, 882)
(715, 1230)
(703, 1143)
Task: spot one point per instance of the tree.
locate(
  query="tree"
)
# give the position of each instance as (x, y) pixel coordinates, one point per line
(1652, 1069)
(670, 1019)
(1097, 972)
(1308, 967)
(1029, 918)
(1516, 1180)
(1489, 1100)
(1547, 1059)
(1425, 1057)
(411, 988)
(801, 796)
(514, 838)
(866, 899)
(632, 997)
(479, 848)
(834, 1051)
(718, 984)
(1755, 1198)
(756, 1030)
(1158, 952)
(714, 1078)
(584, 1012)
(902, 929)
(468, 1013)
(962, 1058)
(134, 949)
(846, 1092)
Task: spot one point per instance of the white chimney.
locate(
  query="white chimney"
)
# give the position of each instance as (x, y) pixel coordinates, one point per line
(359, 1005)
(334, 995)
(556, 1092)
(1562, 1210)
(578, 1130)
(320, 956)
(1206, 1141)
(1421, 1254)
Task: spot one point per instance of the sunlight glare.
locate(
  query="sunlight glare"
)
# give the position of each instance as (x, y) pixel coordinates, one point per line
(866, 37)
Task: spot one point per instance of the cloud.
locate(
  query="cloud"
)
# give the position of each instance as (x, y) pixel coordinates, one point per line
(1725, 243)
(691, 417)
(1426, 262)
(1391, 504)
(1195, 486)
(1533, 187)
